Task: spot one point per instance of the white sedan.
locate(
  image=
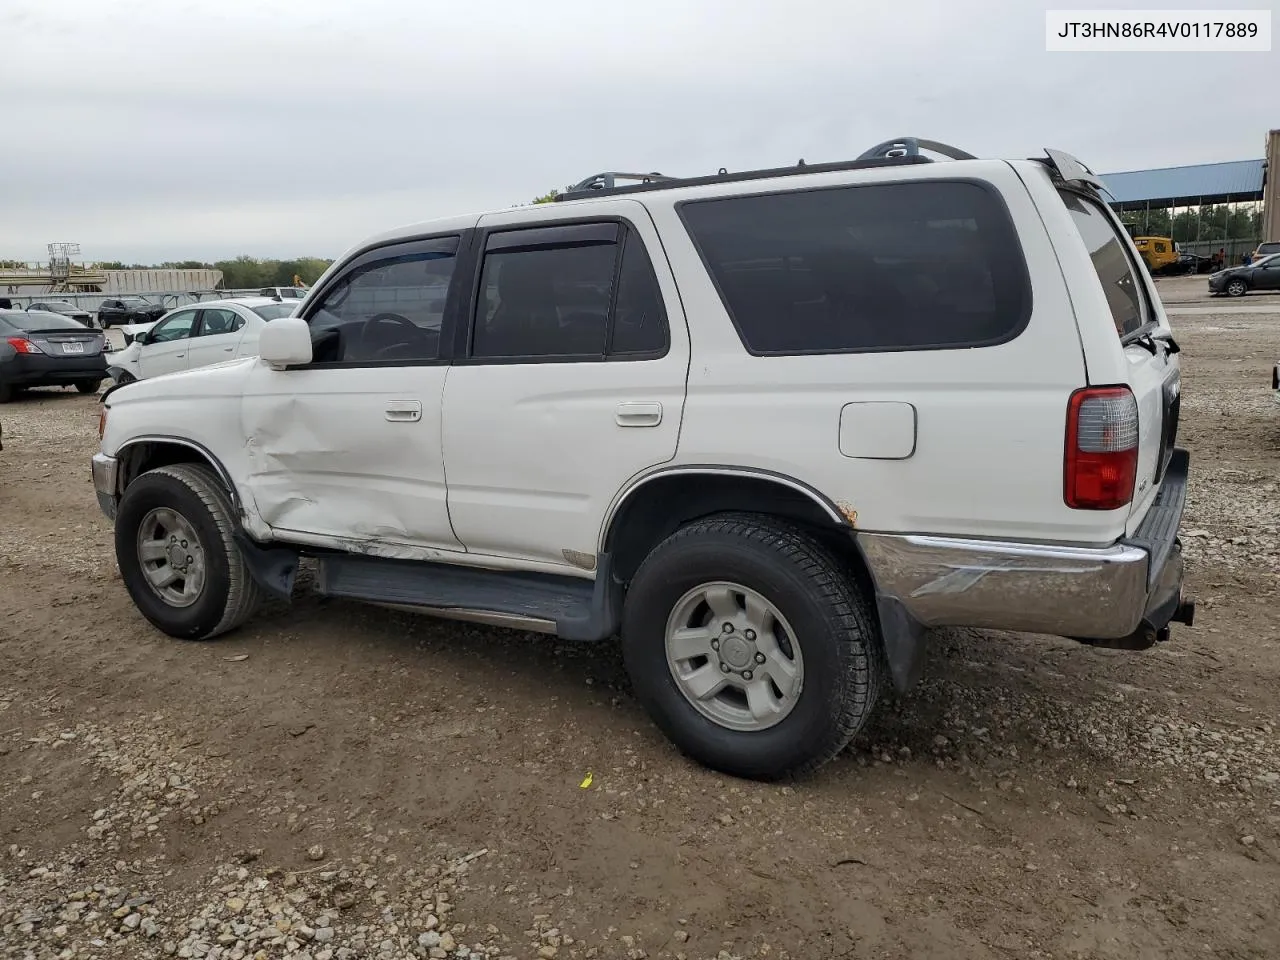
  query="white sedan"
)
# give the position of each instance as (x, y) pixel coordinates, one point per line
(195, 335)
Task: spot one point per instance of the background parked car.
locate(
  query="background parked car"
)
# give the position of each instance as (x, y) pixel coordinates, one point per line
(195, 335)
(120, 310)
(45, 349)
(1266, 249)
(64, 308)
(1260, 275)
(284, 293)
(1188, 263)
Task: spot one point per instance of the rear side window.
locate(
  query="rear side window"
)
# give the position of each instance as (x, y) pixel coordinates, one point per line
(885, 267)
(1111, 262)
(570, 292)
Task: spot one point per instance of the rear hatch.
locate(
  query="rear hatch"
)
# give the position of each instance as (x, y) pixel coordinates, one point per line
(1141, 331)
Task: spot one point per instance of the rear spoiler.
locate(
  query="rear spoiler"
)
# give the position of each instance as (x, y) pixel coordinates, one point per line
(1072, 171)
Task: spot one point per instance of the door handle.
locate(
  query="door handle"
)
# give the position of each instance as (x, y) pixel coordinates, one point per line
(638, 413)
(404, 411)
(227, 349)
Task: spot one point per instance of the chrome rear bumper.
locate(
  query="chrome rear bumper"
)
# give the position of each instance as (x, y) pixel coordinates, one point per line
(1123, 595)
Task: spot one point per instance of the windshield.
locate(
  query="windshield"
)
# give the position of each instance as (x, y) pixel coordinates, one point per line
(274, 311)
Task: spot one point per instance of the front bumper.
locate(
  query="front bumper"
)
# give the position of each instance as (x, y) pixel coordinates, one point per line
(106, 483)
(1124, 595)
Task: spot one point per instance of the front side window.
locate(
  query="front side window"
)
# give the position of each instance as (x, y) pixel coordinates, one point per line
(579, 291)
(1115, 270)
(885, 267)
(176, 327)
(387, 308)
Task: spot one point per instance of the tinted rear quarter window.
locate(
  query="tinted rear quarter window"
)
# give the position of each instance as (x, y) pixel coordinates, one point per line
(1115, 269)
(884, 267)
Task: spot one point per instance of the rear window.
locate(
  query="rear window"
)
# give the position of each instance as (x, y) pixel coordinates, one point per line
(41, 321)
(1116, 270)
(904, 266)
(274, 311)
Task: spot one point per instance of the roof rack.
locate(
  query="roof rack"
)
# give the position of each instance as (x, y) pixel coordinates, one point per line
(903, 150)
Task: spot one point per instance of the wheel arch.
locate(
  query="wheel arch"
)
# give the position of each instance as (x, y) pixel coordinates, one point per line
(144, 453)
(658, 504)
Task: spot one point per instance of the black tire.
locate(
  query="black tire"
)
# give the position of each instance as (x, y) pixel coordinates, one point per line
(833, 622)
(88, 386)
(1237, 288)
(7, 392)
(230, 594)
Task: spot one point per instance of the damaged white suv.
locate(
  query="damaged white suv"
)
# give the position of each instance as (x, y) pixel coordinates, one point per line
(768, 427)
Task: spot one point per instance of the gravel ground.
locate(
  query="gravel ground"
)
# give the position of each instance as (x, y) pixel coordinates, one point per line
(337, 781)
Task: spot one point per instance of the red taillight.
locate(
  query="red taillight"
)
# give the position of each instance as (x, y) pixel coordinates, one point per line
(1102, 448)
(23, 345)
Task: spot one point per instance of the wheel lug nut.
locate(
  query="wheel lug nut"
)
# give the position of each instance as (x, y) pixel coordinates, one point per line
(189, 559)
(759, 658)
(715, 644)
(746, 674)
(724, 667)
(750, 634)
(184, 544)
(727, 628)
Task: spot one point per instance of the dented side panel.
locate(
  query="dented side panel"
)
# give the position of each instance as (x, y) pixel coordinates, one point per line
(329, 453)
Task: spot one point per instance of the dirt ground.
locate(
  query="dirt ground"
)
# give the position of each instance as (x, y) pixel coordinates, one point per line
(338, 781)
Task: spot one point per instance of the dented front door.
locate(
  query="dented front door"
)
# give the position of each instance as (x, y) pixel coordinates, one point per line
(349, 457)
(346, 450)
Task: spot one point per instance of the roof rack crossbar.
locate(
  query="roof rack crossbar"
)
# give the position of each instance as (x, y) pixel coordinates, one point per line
(911, 147)
(609, 180)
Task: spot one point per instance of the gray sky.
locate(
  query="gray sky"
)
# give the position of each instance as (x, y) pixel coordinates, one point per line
(156, 130)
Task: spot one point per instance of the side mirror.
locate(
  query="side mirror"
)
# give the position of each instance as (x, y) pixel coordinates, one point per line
(285, 342)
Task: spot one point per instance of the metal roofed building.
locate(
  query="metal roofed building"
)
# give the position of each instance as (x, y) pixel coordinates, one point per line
(1236, 181)
(1205, 207)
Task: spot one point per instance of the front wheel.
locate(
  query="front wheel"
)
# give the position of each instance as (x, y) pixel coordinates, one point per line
(1237, 288)
(751, 647)
(177, 555)
(88, 386)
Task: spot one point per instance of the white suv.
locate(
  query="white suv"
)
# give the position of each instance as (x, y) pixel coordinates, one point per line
(769, 427)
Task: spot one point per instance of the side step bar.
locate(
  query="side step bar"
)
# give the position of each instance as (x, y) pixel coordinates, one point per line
(570, 607)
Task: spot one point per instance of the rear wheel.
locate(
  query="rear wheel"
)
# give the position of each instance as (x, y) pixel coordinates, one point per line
(177, 555)
(7, 392)
(1237, 288)
(750, 646)
(88, 386)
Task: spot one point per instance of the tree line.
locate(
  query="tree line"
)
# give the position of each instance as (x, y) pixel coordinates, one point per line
(1210, 222)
